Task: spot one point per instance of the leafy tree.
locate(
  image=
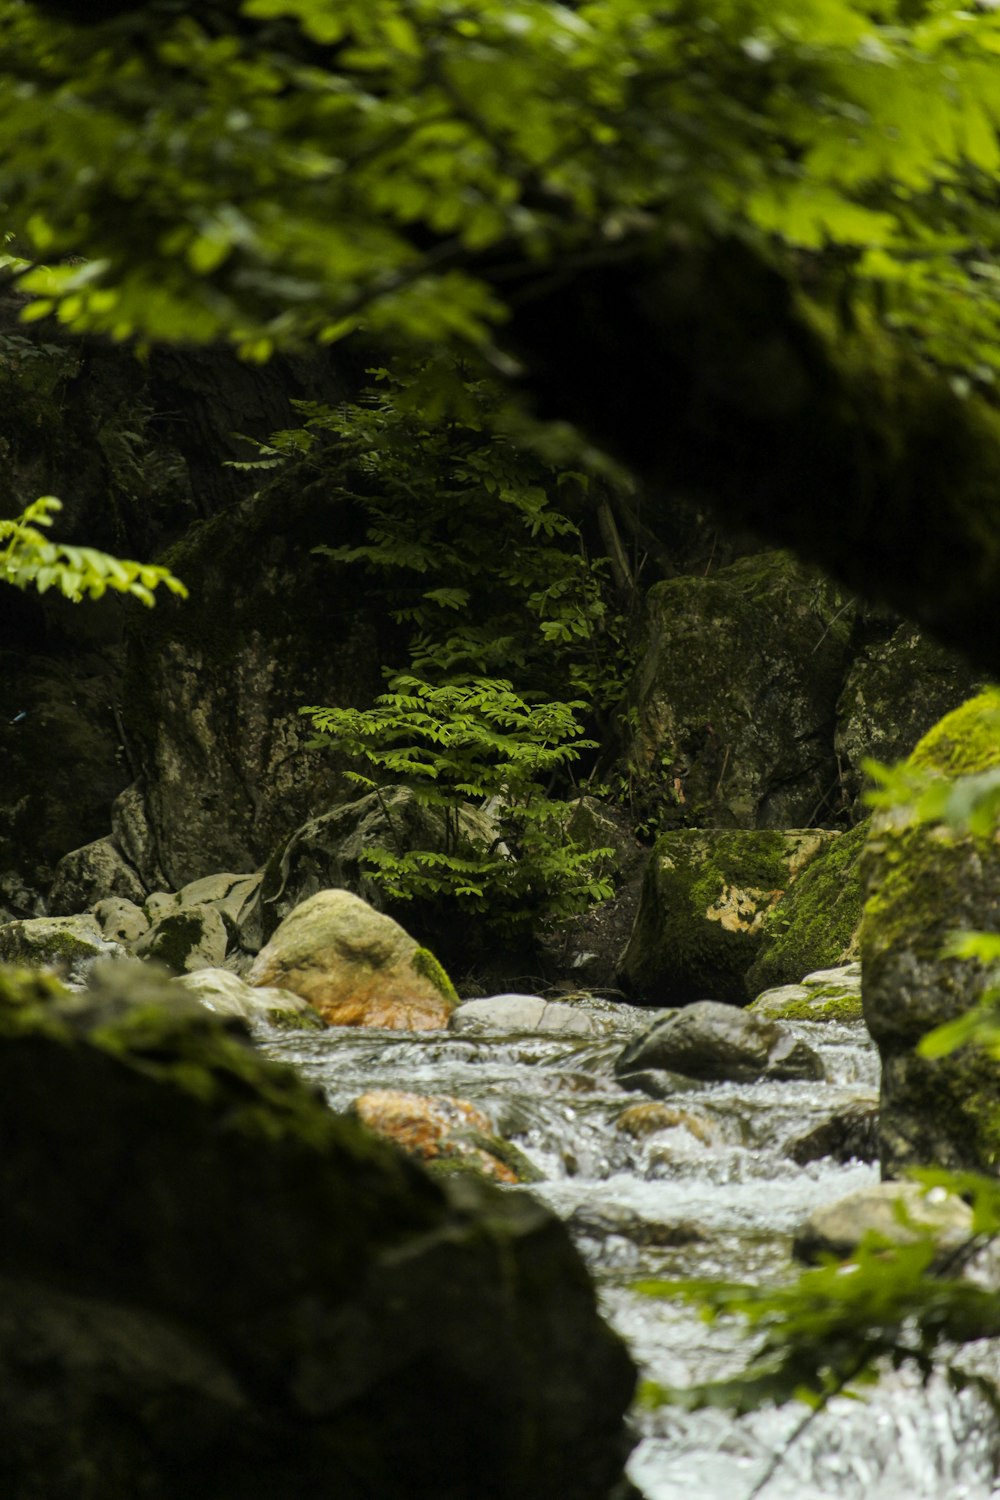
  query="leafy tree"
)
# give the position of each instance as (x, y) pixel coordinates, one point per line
(30, 559)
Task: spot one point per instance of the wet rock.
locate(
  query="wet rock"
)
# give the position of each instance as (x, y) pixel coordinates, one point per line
(67, 945)
(602, 1221)
(895, 692)
(193, 937)
(657, 1083)
(713, 1041)
(327, 853)
(443, 1133)
(923, 883)
(91, 874)
(356, 966)
(849, 1133)
(213, 1286)
(705, 896)
(817, 923)
(900, 1213)
(642, 1120)
(525, 1013)
(121, 921)
(223, 992)
(826, 995)
(735, 694)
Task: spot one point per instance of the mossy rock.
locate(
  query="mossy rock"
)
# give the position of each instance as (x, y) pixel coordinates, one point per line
(827, 995)
(733, 701)
(223, 1257)
(923, 882)
(705, 897)
(816, 924)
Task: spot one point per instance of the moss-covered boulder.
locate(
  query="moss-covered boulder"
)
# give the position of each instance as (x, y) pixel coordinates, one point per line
(826, 995)
(897, 689)
(817, 923)
(193, 937)
(923, 882)
(356, 966)
(733, 702)
(68, 946)
(226, 994)
(706, 894)
(214, 1287)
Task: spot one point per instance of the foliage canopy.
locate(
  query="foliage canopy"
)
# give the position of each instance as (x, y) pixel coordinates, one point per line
(280, 170)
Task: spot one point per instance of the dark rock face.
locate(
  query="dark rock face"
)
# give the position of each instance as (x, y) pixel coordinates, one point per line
(923, 882)
(735, 693)
(214, 686)
(705, 896)
(895, 692)
(712, 1041)
(216, 1288)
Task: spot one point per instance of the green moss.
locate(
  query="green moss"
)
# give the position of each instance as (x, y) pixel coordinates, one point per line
(838, 1007)
(177, 936)
(817, 921)
(916, 893)
(965, 741)
(427, 966)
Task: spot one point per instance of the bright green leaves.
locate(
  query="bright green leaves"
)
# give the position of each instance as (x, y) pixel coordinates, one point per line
(28, 559)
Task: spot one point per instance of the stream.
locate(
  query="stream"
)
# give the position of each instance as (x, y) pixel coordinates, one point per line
(713, 1195)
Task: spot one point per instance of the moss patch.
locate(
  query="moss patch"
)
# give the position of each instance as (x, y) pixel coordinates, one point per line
(427, 966)
(816, 924)
(965, 741)
(841, 1007)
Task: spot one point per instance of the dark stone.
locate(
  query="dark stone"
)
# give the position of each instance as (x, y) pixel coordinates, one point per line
(712, 1041)
(849, 1134)
(214, 1287)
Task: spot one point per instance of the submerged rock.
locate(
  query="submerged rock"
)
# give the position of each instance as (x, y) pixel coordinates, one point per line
(444, 1133)
(849, 1133)
(713, 1041)
(899, 1213)
(705, 896)
(923, 883)
(642, 1120)
(356, 966)
(214, 1287)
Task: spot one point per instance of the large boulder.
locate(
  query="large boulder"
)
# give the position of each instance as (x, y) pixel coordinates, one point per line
(923, 882)
(214, 1287)
(67, 945)
(226, 994)
(327, 852)
(817, 923)
(732, 708)
(705, 896)
(713, 1041)
(93, 873)
(355, 966)
(895, 692)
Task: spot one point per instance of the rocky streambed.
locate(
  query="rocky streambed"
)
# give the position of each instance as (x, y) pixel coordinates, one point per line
(714, 1178)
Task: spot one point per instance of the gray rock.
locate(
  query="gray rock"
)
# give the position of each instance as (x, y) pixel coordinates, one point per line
(192, 937)
(91, 874)
(121, 921)
(524, 1013)
(898, 1212)
(68, 945)
(224, 993)
(705, 896)
(215, 1287)
(708, 1040)
(132, 833)
(824, 995)
(327, 853)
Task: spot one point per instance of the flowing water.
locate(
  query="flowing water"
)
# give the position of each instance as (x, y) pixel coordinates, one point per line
(715, 1194)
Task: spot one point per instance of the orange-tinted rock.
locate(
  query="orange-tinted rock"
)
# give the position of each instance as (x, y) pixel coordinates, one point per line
(355, 966)
(640, 1120)
(433, 1128)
